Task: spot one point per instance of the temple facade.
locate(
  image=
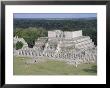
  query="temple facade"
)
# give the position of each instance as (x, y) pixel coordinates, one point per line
(71, 46)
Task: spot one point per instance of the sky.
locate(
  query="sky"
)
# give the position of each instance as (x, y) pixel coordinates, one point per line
(54, 15)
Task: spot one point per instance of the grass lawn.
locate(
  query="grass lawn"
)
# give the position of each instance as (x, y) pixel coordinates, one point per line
(51, 67)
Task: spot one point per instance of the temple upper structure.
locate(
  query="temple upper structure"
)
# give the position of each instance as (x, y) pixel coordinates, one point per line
(65, 34)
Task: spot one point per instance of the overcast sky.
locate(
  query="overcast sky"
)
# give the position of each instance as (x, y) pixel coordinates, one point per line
(54, 15)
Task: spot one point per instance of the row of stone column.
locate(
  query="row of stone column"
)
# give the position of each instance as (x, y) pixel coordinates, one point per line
(29, 53)
(81, 56)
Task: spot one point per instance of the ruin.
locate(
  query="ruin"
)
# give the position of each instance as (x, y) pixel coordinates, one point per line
(70, 46)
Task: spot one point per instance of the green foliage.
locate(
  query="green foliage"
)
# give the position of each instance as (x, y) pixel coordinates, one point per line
(30, 34)
(31, 29)
(17, 32)
(30, 41)
(92, 33)
(67, 24)
(19, 45)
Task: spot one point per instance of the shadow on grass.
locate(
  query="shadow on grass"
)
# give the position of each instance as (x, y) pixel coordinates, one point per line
(93, 69)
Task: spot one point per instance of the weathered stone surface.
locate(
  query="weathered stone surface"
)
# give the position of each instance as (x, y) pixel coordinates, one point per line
(76, 50)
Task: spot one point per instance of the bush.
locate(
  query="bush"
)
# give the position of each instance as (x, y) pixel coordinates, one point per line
(30, 34)
(19, 45)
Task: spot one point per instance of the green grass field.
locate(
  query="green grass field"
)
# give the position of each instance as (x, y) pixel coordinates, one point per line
(51, 67)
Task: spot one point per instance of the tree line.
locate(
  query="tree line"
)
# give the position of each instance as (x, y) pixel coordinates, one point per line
(68, 24)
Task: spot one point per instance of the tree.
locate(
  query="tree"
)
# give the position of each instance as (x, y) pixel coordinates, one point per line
(19, 45)
(30, 34)
(30, 41)
(30, 29)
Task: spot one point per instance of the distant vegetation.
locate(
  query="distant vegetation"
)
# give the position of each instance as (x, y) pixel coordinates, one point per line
(62, 24)
(31, 29)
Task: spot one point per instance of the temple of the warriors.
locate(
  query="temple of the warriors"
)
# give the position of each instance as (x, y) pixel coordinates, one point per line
(70, 46)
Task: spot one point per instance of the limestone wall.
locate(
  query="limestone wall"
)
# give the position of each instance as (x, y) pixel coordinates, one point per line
(76, 33)
(51, 34)
(68, 35)
(65, 34)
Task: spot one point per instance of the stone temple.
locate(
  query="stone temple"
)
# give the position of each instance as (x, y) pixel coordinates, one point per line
(70, 46)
